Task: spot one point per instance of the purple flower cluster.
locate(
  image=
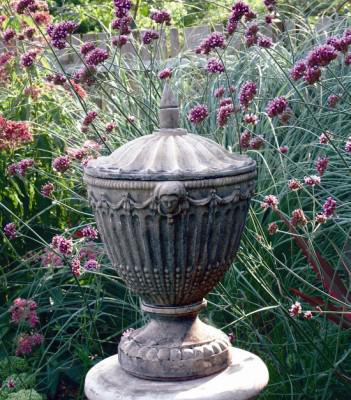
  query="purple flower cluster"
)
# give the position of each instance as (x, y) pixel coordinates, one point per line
(223, 114)
(276, 106)
(87, 48)
(198, 113)
(225, 102)
(120, 41)
(347, 59)
(298, 218)
(329, 207)
(165, 73)
(265, 42)
(5, 57)
(340, 44)
(215, 66)
(122, 7)
(268, 19)
(149, 36)
(26, 342)
(8, 35)
(27, 59)
(312, 180)
(256, 143)
(47, 189)
(88, 232)
(321, 56)
(348, 145)
(75, 266)
(122, 25)
(270, 201)
(59, 32)
(251, 34)
(89, 118)
(62, 245)
(312, 75)
(23, 310)
(96, 57)
(86, 74)
(247, 93)
(22, 5)
(333, 100)
(245, 138)
(61, 163)
(213, 41)
(56, 79)
(10, 230)
(20, 168)
(321, 165)
(161, 17)
(91, 265)
(298, 70)
(219, 92)
(239, 10)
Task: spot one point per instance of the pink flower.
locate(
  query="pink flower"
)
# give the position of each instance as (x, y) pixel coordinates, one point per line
(59, 32)
(213, 41)
(88, 232)
(198, 114)
(8, 35)
(22, 5)
(150, 36)
(47, 189)
(20, 168)
(294, 184)
(329, 207)
(247, 93)
(61, 163)
(89, 118)
(321, 56)
(348, 145)
(295, 309)
(251, 119)
(91, 265)
(215, 66)
(272, 228)
(75, 266)
(245, 138)
(26, 342)
(276, 106)
(257, 142)
(96, 57)
(270, 201)
(10, 230)
(5, 57)
(165, 73)
(219, 92)
(284, 149)
(161, 17)
(307, 315)
(50, 259)
(13, 133)
(227, 101)
(321, 218)
(128, 332)
(223, 114)
(298, 218)
(333, 100)
(323, 138)
(312, 180)
(321, 165)
(62, 245)
(11, 384)
(23, 310)
(298, 70)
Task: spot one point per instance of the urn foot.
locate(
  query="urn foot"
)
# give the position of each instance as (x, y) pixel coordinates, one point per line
(175, 347)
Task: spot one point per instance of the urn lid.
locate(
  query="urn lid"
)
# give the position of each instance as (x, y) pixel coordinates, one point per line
(170, 153)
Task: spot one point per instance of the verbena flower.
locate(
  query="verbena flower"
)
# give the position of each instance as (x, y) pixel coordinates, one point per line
(321, 218)
(272, 228)
(284, 149)
(307, 315)
(251, 119)
(294, 184)
(149, 36)
(215, 66)
(312, 75)
(348, 145)
(61, 163)
(329, 207)
(251, 34)
(90, 117)
(120, 41)
(86, 75)
(13, 133)
(225, 102)
(122, 25)
(20, 168)
(165, 73)
(321, 165)
(8, 35)
(56, 79)
(339, 44)
(96, 57)
(333, 100)
(27, 59)
(276, 106)
(110, 126)
(298, 70)
(23, 310)
(264, 42)
(295, 309)
(47, 189)
(312, 180)
(88, 232)
(76, 266)
(10, 230)
(213, 41)
(247, 93)
(219, 92)
(59, 33)
(245, 138)
(161, 17)
(321, 56)
(122, 7)
(87, 47)
(29, 32)
(198, 114)
(323, 138)
(5, 57)
(22, 5)
(298, 218)
(268, 19)
(223, 114)
(91, 265)
(26, 342)
(62, 245)
(270, 201)
(347, 59)
(257, 142)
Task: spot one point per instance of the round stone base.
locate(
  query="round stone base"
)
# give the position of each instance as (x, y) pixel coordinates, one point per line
(244, 379)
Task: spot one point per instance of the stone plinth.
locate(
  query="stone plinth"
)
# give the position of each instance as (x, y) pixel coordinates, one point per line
(244, 379)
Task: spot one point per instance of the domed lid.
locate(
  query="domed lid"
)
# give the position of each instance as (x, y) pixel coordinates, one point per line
(169, 154)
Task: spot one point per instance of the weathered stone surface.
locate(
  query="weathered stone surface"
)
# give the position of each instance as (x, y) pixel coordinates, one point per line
(244, 379)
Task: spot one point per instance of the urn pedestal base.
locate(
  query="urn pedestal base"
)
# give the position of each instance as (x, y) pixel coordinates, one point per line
(175, 345)
(244, 379)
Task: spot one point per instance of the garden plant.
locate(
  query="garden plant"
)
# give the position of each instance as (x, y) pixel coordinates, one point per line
(269, 81)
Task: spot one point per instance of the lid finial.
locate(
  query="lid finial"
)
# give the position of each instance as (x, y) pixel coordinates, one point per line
(169, 109)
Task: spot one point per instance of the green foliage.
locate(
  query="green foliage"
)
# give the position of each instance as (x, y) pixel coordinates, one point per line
(11, 365)
(29, 394)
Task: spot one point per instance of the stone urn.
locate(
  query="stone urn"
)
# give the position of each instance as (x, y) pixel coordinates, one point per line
(171, 208)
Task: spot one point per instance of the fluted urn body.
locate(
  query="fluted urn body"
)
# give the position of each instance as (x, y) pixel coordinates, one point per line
(170, 208)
